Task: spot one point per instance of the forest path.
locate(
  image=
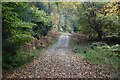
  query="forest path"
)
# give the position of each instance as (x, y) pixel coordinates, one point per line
(57, 62)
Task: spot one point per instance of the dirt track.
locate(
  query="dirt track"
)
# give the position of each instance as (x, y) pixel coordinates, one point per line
(58, 62)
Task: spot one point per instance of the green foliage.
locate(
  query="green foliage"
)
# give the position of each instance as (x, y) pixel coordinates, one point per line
(105, 58)
(42, 20)
(100, 56)
(13, 62)
(13, 25)
(100, 19)
(41, 16)
(18, 21)
(98, 53)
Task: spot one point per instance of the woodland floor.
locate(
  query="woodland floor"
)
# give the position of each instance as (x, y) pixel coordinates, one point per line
(58, 62)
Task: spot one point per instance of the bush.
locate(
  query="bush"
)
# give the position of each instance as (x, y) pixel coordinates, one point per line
(98, 53)
(11, 62)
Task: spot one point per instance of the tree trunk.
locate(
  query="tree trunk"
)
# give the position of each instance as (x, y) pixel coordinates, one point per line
(99, 35)
(59, 17)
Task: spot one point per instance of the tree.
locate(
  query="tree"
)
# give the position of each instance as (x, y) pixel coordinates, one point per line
(18, 20)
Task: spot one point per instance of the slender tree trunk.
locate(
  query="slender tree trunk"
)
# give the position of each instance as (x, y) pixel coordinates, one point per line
(59, 22)
(59, 17)
(50, 7)
(99, 35)
(65, 19)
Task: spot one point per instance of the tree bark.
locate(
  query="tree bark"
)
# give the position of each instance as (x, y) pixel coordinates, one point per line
(99, 35)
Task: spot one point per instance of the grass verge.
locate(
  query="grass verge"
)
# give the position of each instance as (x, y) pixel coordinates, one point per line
(104, 58)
